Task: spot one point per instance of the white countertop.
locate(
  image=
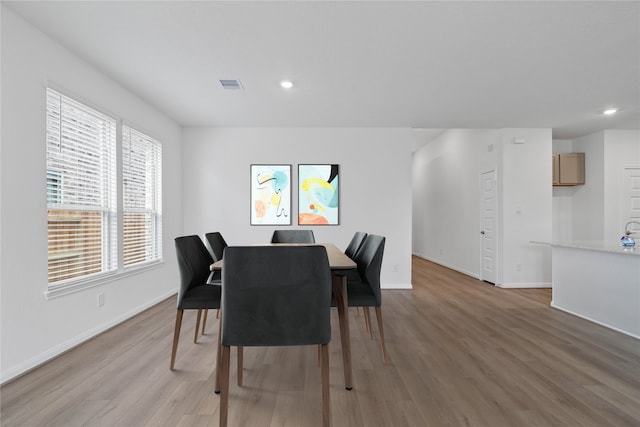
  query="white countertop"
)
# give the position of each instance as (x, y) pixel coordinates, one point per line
(595, 245)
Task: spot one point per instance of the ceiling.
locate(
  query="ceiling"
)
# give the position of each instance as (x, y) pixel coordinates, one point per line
(418, 64)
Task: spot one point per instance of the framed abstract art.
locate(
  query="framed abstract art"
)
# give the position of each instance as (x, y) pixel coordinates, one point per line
(270, 194)
(318, 191)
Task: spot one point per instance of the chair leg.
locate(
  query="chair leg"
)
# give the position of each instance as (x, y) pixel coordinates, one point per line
(218, 359)
(224, 394)
(324, 372)
(195, 337)
(176, 336)
(240, 363)
(367, 321)
(384, 348)
(217, 313)
(204, 320)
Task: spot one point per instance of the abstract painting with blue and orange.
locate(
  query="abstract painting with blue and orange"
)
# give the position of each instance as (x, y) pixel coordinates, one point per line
(318, 201)
(270, 194)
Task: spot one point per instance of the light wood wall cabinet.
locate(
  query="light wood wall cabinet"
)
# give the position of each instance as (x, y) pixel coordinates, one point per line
(568, 169)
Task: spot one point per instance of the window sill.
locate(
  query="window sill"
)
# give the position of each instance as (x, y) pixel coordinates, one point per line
(72, 288)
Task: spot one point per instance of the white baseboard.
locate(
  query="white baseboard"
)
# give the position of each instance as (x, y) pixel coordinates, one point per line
(524, 285)
(397, 286)
(46, 356)
(595, 321)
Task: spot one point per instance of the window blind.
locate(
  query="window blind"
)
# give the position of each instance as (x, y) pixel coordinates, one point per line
(142, 201)
(81, 190)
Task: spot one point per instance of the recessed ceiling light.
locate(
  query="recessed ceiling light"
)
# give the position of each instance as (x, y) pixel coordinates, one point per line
(286, 84)
(610, 111)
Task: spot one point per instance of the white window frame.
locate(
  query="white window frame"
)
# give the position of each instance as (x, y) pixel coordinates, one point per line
(112, 239)
(142, 177)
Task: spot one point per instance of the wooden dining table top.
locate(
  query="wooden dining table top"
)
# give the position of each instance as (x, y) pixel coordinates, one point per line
(337, 258)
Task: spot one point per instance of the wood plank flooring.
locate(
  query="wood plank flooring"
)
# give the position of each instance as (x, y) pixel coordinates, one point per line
(461, 353)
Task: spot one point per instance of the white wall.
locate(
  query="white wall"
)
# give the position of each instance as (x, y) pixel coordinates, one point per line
(588, 199)
(375, 184)
(447, 202)
(35, 329)
(527, 196)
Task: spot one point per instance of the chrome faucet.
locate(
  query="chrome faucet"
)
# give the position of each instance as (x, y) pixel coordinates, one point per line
(628, 232)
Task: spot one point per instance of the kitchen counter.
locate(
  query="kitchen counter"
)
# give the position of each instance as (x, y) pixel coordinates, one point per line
(599, 282)
(593, 245)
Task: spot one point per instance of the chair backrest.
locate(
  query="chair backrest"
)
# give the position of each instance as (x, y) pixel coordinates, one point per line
(354, 245)
(216, 245)
(274, 296)
(194, 261)
(369, 261)
(293, 236)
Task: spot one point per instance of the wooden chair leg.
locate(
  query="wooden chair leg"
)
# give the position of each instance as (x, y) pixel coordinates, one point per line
(217, 313)
(367, 321)
(224, 393)
(176, 337)
(204, 320)
(324, 372)
(195, 337)
(384, 348)
(240, 363)
(218, 359)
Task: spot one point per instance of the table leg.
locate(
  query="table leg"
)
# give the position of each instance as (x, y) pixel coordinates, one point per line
(339, 285)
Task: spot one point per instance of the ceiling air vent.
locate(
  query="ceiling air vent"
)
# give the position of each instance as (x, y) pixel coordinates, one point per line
(231, 84)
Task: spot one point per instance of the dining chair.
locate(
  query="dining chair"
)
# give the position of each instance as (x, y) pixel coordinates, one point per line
(355, 243)
(363, 288)
(350, 251)
(293, 236)
(216, 244)
(194, 261)
(275, 296)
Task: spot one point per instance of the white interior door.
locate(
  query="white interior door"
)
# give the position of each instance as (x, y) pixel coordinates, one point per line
(488, 234)
(631, 199)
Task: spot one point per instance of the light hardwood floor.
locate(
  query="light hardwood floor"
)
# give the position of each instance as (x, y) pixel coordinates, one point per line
(461, 353)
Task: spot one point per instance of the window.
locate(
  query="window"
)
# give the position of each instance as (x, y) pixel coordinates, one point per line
(83, 203)
(81, 190)
(142, 204)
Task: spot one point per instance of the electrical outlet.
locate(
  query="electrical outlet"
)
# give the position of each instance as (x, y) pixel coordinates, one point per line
(518, 267)
(100, 300)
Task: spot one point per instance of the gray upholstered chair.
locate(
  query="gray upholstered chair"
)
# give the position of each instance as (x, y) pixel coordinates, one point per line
(216, 245)
(363, 289)
(194, 261)
(275, 296)
(293, 236)
(350, 251)
(355, 243)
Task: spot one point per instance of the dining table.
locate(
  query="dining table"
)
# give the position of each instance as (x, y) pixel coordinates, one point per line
(338, 262)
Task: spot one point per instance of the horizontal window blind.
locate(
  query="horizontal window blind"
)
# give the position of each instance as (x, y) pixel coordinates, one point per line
(142, 197)
(81, 190)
